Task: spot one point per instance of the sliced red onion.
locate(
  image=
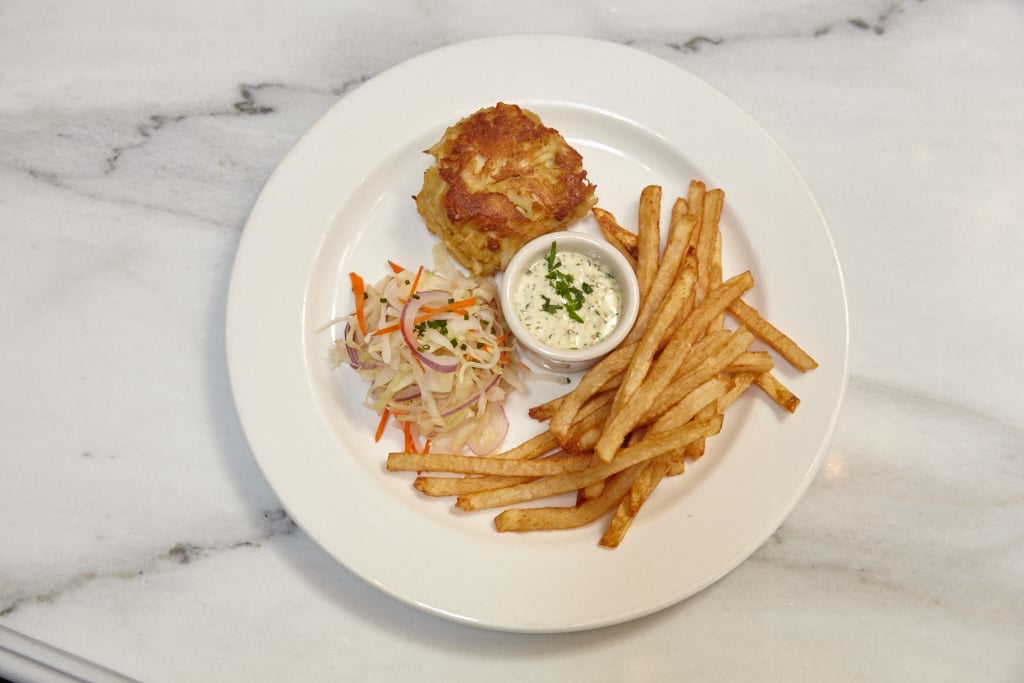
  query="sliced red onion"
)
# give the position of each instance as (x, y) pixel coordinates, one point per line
(473, 399)
(407, 319)
(354, 357)
(407, 393)
(491, 432)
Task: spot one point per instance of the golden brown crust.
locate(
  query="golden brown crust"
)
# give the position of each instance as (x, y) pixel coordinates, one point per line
(501, 178)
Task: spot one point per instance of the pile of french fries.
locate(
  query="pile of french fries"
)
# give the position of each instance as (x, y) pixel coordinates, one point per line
(648, 407)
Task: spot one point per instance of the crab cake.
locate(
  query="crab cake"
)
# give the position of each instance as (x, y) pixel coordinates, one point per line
(500, 179)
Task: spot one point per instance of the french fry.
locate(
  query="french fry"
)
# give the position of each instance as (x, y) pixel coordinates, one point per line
(545, 411)
(648, 238)
(623, 240)
(740, 383)
(772, 336)
(676, 464)
(597, 488)
(629, 507)
(711, 277)
(684, 411)
(695, 405)
(710, 260)
(695, 451)
(663, 371)
(590, 492)
(702, 349)
(712, 211)
(777, 391)
(709, 356)
(680, 228)
(695, 200)
(709, 268)
(751, 361)
(715, 276)
(456, 486)
(714, 359)
(595, 404)
(533, 447)
(697, 322)
(654, 338)
(628, 238)
(585, 431)
(687, 382)
(548, 518)
(608, 368)
(572, 481)
(475, 464)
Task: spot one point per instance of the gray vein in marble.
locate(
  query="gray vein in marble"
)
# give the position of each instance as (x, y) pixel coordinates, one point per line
(272, 523)
(939, 404)
(251, 101)
(881, 21)
(247, 106)
(876, 24)
(694, 44)
(925, 543)
(800, 552)
(60, 182)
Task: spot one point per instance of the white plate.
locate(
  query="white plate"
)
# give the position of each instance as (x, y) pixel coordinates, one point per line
(341, 201)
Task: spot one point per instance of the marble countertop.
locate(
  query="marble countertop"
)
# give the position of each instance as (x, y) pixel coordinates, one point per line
(138, 537)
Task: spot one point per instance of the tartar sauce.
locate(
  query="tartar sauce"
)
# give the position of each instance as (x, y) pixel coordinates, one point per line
(568, 300)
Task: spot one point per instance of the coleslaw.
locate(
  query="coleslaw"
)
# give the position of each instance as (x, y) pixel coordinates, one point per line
(434, 348)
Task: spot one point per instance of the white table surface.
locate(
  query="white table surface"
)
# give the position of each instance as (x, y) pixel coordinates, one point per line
(137, 535)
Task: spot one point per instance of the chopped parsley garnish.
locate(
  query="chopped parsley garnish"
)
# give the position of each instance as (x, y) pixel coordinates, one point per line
(439, 325)
(565, 287)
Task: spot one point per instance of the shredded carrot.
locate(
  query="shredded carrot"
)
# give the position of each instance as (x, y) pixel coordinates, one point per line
(503, 357)
(359, 294)
(410, 445)
(388, 328)
(453, 306)
(395, 267)
(430, 312)
(380, 425)
(416, 282)
(426, 447)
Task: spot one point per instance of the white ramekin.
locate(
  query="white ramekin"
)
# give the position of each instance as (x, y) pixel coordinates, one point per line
(550, 357)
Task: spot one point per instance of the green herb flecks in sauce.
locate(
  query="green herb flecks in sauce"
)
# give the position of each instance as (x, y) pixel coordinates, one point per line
(568, 300)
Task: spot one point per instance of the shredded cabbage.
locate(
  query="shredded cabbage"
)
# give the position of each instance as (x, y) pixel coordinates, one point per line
(439, 362)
